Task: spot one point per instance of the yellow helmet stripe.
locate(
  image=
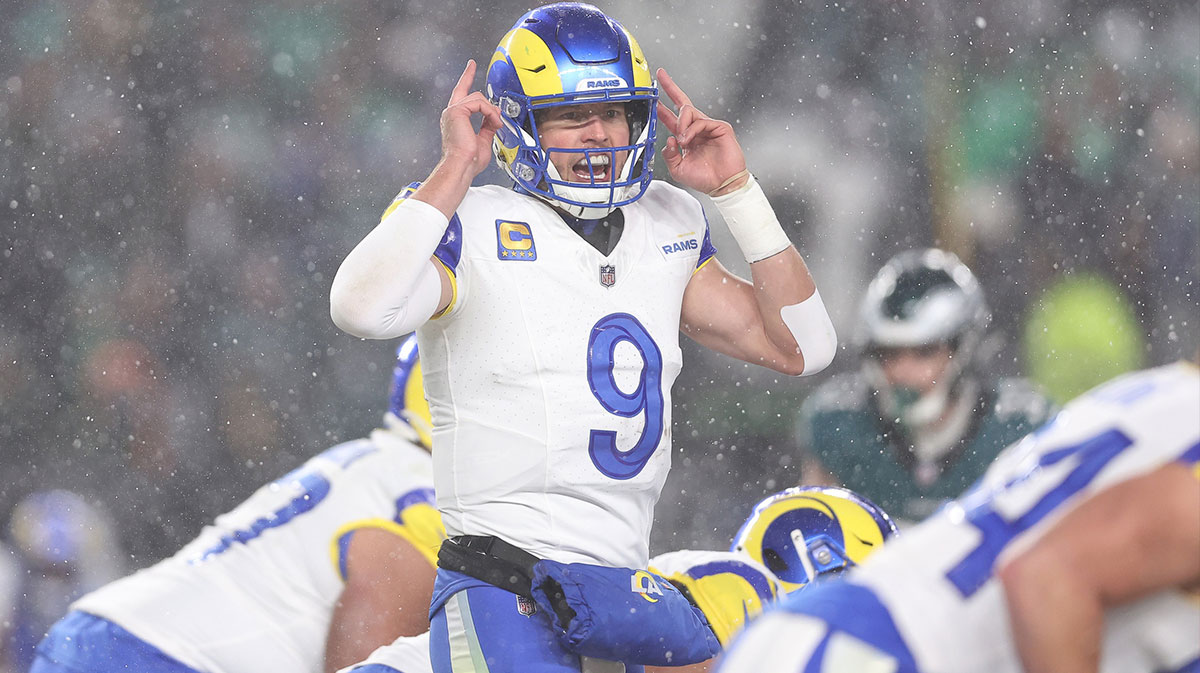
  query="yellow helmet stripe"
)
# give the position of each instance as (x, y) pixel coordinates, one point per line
(532, 60)
(641, 69)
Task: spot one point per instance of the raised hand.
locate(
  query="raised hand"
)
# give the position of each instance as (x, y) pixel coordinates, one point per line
(702, 152)
(462, 145)
(465, 151)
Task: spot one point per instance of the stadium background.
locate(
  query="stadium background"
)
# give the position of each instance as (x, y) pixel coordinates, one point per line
(180, 181)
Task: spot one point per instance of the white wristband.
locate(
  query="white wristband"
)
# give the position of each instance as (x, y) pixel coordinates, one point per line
(752, 221)
(810, 325)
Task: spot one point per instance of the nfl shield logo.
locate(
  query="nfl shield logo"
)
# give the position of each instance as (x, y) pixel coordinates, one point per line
(608, 275)
(526, 606)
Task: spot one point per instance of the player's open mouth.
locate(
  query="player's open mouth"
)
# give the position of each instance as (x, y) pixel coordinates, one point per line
(599, 167)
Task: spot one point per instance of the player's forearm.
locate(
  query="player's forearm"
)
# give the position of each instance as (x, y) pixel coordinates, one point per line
(387, 286)
(1056, 622)
(447, 185)
(793, 315)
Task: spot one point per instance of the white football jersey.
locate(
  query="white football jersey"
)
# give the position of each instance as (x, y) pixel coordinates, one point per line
(255, 591)
(929, 601)
(406, 655)
(549, 376)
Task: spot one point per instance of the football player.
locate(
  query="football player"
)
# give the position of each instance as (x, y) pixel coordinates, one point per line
(549, 314)
(810, 532)
(917, 423)
(311, 573)
(733, 587)
(1079, 550)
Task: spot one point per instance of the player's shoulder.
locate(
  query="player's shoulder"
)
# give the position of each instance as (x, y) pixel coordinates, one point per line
(485, 203)
(848, 391)
(661, 190)
(1177, 381)
(1150, 398)
(664, 202)
(1020, 399)
(704, 562)
(684, 560)
(382, 456)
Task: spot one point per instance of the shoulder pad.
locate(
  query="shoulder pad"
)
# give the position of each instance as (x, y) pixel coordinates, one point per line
(1016, 397)
(842, 392)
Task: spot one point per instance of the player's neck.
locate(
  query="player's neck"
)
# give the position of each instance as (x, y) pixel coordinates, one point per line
(602, 234)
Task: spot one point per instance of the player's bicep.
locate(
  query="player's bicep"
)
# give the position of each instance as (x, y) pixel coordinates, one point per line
(720, 313)
(390, 575)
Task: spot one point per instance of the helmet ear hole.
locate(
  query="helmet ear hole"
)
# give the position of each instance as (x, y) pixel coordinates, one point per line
(774, 562)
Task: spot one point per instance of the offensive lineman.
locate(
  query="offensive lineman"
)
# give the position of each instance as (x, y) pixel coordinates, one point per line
(549, 314)
(311, 573)
(1078, 551)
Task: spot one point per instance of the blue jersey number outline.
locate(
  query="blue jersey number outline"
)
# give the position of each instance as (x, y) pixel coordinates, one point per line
(646, 399)
(973, 571)
(313, 488)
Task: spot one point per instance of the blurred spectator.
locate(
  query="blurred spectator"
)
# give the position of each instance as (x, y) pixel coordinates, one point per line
(64, 547)
(10, 592)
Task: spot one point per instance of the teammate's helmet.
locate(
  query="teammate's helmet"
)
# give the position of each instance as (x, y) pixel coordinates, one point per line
(565, 54)
(407, 404)
(923, 298)
(807, 532)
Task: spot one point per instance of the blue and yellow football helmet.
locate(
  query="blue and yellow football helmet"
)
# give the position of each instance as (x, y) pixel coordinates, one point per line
(406, 401)
(569, 53)
(807, 532)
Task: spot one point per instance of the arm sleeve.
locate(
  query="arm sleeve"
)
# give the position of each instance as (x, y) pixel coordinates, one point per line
(388, 286)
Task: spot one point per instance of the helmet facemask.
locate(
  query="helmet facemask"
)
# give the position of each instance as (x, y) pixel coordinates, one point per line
(532, 169)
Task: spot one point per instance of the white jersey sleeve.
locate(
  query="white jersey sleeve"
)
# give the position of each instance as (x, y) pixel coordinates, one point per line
(256, 590)
(405, 655)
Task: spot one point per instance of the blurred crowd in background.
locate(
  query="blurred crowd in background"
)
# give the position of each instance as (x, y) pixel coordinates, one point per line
(179, 181)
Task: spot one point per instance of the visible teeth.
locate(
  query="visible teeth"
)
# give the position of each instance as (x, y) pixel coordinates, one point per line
(597, 161)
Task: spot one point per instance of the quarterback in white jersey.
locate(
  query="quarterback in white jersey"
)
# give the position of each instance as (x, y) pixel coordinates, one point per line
(549, 314)
(1078, 550)
(310, 573)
